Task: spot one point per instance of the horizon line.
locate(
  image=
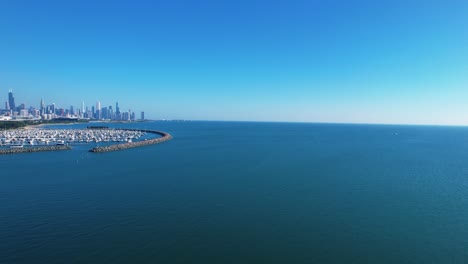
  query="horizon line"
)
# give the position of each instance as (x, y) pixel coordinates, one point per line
(309, 122)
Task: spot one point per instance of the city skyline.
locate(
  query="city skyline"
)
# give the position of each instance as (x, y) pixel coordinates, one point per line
(49, 111)
(397, 61)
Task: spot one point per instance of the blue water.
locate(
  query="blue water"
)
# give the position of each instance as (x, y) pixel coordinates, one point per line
(233, 192)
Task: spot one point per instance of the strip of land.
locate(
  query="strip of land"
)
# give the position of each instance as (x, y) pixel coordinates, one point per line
(164, 137)
(7, 125)
(33, 149)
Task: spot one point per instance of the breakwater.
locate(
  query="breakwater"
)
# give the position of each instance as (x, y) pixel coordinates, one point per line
(33, 149)
(164, 137)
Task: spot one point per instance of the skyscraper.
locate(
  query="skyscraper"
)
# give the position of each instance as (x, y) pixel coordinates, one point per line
(142, 115)
(98, 110)
(117, 111)
(42, 109)
(111, 113)
(11, 101)
(104, 113)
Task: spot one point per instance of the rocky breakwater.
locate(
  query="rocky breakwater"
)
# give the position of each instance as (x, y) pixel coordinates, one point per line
(33, 149)
(164, 137)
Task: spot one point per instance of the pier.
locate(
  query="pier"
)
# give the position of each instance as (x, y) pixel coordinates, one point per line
(164, 137)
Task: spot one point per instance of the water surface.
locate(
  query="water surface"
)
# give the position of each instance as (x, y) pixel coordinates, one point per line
(233, 192)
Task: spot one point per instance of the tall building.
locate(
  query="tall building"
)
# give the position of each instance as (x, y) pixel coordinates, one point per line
(142, 115)
(104, 113)
(23, 113)
(42, 109)
(98, 110)
(125, 116)
(118, 115)
(11, 101)
(111, 113)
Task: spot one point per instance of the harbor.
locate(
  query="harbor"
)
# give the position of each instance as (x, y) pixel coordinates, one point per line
(43, 137)
(105, 139)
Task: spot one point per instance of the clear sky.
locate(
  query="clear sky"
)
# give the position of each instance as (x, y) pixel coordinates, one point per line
(364, 61)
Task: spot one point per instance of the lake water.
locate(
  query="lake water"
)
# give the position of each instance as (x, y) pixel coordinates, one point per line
(234, 192)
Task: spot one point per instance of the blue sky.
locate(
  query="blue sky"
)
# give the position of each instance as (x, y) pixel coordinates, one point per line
(314, 61)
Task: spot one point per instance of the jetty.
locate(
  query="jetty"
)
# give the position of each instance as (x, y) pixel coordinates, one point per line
(33, 149)
(164, 137)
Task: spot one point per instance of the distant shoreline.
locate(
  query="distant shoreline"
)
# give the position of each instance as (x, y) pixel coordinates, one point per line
(8, 125)
(27, 124)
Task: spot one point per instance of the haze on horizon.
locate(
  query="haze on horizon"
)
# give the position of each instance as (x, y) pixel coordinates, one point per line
(351, 61)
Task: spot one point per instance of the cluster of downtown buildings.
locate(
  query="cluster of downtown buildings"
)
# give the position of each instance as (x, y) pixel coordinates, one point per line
(47, 112)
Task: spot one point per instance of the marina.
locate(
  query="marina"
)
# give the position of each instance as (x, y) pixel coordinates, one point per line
(36, 140)
(44, 137)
